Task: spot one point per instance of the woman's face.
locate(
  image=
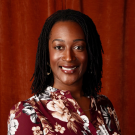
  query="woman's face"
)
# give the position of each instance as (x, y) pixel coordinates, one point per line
(68, 54)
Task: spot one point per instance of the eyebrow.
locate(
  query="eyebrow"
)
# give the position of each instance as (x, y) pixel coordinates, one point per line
(64, 40)
(58, 40)
(78, 40)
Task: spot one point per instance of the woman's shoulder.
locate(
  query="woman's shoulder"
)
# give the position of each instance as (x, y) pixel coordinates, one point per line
(22, 114)
(19, 105)
(103, 100)
(102, 97)
(22, 107)
(17, 108)
(106, 110)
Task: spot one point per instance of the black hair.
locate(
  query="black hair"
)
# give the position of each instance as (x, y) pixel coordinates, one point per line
(92, 77)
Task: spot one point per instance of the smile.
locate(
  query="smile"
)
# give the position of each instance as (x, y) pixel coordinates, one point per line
(64, 68)
(68, 69)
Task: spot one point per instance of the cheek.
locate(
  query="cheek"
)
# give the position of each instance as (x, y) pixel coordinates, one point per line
(54, 57)
(84, 60)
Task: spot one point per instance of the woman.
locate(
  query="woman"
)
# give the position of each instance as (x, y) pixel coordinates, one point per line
(66, 81)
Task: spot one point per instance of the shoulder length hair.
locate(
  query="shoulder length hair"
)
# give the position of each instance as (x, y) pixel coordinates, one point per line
(92, 77)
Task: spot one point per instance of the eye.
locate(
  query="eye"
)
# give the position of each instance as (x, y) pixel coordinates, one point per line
(58, 47)
(79, 47)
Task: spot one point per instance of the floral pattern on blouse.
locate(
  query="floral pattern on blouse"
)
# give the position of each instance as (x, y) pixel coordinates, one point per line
(29, 110)
(36, 130)
(59, 128)
(55, 112)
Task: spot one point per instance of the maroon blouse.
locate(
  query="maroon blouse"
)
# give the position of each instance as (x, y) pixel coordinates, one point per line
(55, 112)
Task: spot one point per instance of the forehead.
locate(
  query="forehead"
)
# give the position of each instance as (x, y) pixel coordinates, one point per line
(66, 27)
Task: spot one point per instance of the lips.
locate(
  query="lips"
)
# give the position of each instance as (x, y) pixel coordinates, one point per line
(68, 69)
(65, 68)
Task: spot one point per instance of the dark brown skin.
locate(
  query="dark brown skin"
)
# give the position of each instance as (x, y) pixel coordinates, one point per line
(67, 49)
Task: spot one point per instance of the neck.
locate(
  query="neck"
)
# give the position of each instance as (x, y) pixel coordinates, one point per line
(75, 89)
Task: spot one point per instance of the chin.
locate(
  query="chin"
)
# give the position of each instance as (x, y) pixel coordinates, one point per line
(68, 83)
(70, 80)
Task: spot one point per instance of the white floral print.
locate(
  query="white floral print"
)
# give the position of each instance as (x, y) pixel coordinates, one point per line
(62, 92)
(51, 89)
(84, 133)
(47, 93)
(102, 130)
(86, 123)
(36, 130)
(78, 112)
(60, 111)
(59, 128)
(107, 117)
(46, 130)
(29, 110)
(13, 125)
(58, 106)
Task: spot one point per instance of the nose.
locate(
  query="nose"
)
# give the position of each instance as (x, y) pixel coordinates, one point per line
(68, 55)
